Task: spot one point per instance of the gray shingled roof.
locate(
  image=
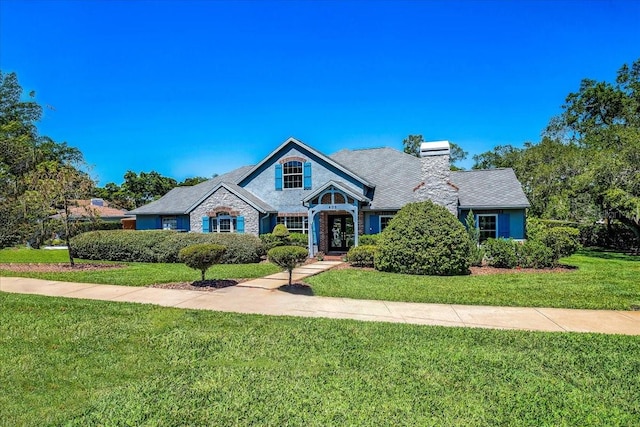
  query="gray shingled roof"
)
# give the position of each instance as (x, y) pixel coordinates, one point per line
(393, 173)
(180, 199)
(489, 188)
(396, 174)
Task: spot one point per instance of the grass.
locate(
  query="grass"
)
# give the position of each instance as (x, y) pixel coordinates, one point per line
(602, 280)
(81, 362)
(133, 274)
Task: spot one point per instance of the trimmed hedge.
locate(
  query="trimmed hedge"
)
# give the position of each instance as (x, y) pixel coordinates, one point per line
(424, 238)
(501, 253)
(362, 255)
(534, 254)
(162, 245)
(563, 241)
(369, 239)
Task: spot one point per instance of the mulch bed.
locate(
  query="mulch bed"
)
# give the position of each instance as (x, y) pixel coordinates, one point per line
(200, 285)
(480, 271)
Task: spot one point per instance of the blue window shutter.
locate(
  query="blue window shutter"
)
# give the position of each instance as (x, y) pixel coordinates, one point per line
(278, 177)
(240, 224)
(503, 226)
(307, 176)
(374, 224)
(205, 224)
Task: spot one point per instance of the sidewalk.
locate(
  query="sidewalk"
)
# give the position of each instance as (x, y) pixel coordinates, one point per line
(260, 296)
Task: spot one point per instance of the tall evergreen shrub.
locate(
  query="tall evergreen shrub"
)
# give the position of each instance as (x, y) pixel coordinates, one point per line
(424, 238)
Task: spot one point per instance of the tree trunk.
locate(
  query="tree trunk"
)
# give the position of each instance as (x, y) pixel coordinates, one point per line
(635, 228)
(67, 232)
(290, 275)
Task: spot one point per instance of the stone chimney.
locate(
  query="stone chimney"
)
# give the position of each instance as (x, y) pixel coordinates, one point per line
(435, 175)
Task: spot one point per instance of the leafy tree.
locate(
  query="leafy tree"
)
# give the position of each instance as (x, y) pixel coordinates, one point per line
(603, 120)
(288, 257)
(24, 155)
(476, 253)
(456, 155)
(140, 189)
(412, 144)
(202, 256)
(54, 189)
(192, 181)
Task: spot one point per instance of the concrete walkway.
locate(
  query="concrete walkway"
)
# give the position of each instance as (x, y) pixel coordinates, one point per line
(260, 296)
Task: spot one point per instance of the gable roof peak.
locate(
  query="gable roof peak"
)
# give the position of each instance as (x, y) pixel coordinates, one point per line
(308, 148)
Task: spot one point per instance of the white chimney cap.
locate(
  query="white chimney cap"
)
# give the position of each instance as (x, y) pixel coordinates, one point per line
(434, 148)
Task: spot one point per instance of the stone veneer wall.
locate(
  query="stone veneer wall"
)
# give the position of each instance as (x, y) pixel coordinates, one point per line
(223, 197)
(435, 184)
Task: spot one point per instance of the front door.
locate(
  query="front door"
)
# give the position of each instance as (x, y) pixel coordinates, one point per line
(341, 233)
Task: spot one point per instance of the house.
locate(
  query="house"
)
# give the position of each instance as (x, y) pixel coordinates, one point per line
(94, 209)
(337, 198)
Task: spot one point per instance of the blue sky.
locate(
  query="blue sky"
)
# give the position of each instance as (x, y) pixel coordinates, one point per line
(200, 87)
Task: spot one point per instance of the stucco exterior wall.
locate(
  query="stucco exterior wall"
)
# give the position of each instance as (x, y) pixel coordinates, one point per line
(223, 197)
(290, 200)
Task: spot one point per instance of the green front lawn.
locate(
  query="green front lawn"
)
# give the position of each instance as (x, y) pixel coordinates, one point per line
(603, 280)
(133, 274)
(80, 362)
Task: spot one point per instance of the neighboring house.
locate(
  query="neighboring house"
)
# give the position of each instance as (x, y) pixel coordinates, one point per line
(334, 199)
(93, 209)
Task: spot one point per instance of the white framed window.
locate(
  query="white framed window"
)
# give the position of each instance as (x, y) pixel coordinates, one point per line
(223, 223)
(169, 223)
(295, 224)
(384, 221)
(488, 226)
(292, 174)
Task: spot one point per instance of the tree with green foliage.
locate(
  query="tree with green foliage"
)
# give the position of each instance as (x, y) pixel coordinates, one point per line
(603, 120)
(412, 144)
(24, 156)
(288, 257)
(476, 253)
(140, 189)
(202, 256)
(585, 167)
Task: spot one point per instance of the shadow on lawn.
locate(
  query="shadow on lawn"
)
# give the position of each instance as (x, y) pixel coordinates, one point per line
(297, 289)
(604, 254)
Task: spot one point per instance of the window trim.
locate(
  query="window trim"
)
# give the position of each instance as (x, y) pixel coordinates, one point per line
(216, 220)
(380, 217)
(495, 232)
(285, 220)
(172, 218)
(292, 175)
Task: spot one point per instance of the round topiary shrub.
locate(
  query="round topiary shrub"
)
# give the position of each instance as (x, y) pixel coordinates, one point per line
(424, 238)
(362, 255)
(202, 256)
(287, 257)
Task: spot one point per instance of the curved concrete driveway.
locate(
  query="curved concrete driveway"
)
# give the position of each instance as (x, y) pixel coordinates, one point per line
(263, 300)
